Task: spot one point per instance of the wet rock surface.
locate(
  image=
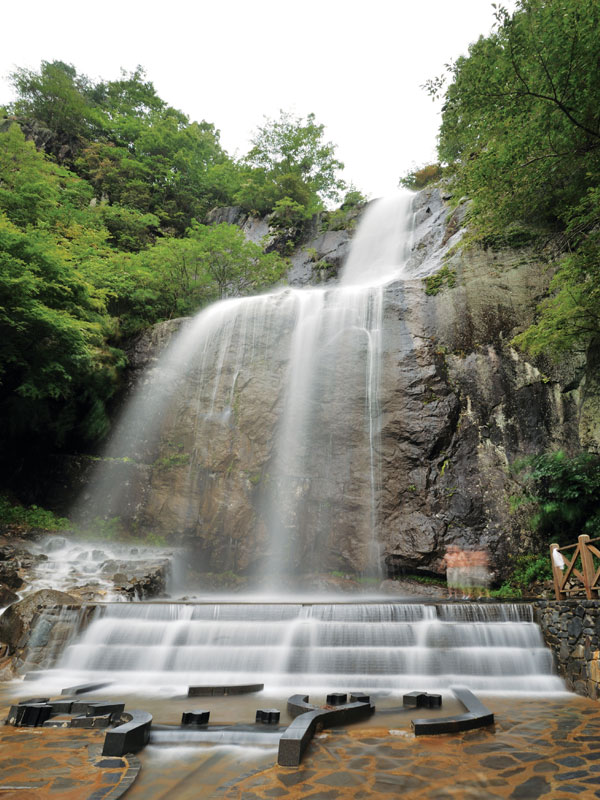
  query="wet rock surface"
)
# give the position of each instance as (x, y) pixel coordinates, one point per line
(17, 621)
(458, 404)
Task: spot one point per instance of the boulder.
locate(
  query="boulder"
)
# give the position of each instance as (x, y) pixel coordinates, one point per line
(16, 622)
(7, 596)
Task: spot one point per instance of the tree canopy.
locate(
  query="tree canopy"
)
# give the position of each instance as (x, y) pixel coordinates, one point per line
(520, 135)
(103, 190)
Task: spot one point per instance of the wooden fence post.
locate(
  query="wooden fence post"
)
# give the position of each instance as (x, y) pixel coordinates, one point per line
(587, 562)
(557, 574)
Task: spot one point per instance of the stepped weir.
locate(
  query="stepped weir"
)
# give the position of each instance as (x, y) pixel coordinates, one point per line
(313, 647)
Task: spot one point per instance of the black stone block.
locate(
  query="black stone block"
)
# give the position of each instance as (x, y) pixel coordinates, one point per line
(34, 701)
(414, 699)
(36, 715)
(360, 697)
(434, 700)
(83, 688)
(336, 699)
(58, 721)
(421, 700)
(102, 721)
(99, 709)
(15, 715)
(61, 706)
(130, 737)
(199, 717)
(268, 716)
(214, 691)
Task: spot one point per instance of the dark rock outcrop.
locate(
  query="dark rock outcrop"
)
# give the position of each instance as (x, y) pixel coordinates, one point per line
(17, 621)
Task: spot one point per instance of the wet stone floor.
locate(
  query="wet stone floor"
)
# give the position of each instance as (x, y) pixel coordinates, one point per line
(543, 748)
(538, 748)
(61, 764)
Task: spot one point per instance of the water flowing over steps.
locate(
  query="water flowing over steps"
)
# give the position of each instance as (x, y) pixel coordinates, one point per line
(313, 647)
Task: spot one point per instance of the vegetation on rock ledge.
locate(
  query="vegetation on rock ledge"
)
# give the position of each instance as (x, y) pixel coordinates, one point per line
(520, 136)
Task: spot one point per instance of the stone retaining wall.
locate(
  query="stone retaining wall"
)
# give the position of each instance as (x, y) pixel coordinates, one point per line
(571, 629)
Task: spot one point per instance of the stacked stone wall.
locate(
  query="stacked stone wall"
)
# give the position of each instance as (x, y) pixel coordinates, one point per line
(571, 628)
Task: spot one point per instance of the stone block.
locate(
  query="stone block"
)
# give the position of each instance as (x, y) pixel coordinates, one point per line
(421, 700)
(83, 688)
(59, 721)
(268, 716)
(130, 737)
(29, 715)
(594, 668)
(214, 691)
(98, 709)
(574, 627)
(360, 697)
(86, 721)
(477, 716)
(199, 717)
(61, 706)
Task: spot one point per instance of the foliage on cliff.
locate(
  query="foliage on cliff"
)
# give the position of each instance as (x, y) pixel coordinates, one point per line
(103, 188)
(520, 135)
(562, 494)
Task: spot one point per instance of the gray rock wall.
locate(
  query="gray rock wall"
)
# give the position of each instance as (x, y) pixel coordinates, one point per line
(571, 629)
(458, 405)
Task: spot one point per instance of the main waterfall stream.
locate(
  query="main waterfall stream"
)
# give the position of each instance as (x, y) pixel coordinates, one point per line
(304, 366)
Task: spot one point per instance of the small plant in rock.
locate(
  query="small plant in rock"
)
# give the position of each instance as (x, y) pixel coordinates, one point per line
(443, 278)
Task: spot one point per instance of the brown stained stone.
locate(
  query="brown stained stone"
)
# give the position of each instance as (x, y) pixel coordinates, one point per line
(341, 779)
(530, 789)
(498, 762)
(55, 763)
(293, 778)
(546, 766)
(534, 744)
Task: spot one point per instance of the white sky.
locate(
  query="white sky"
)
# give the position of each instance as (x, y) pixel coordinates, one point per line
(357, 65)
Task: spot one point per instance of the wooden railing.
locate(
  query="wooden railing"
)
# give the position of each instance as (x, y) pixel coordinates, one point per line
(581, 573)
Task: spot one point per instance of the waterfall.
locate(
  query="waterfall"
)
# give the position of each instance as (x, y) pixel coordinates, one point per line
(261, 421)
(319, 647)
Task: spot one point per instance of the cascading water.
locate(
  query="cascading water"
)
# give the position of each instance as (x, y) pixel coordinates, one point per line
(313, 648)
(310, 360)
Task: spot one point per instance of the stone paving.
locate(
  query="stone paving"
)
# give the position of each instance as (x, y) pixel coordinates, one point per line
(60, 764)
(544, 748)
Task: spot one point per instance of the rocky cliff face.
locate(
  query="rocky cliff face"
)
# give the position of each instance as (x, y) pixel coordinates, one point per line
(457, 405)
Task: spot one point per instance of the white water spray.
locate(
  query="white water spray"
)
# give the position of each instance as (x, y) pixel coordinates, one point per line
(314, 355)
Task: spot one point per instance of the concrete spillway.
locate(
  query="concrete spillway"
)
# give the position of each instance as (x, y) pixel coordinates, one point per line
(372, 646)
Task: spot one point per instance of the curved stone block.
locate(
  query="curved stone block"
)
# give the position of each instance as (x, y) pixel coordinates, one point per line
(477, 716)
(129, 737)
(298, 734)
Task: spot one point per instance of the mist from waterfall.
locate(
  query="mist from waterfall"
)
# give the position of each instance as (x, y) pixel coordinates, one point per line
(314, 355)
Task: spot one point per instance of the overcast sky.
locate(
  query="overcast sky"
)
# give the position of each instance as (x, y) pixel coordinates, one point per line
(357, 65)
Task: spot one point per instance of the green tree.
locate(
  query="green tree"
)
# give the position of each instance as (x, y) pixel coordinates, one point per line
(521, 135)
(57, 98)
(564, 493)
(290, 158)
